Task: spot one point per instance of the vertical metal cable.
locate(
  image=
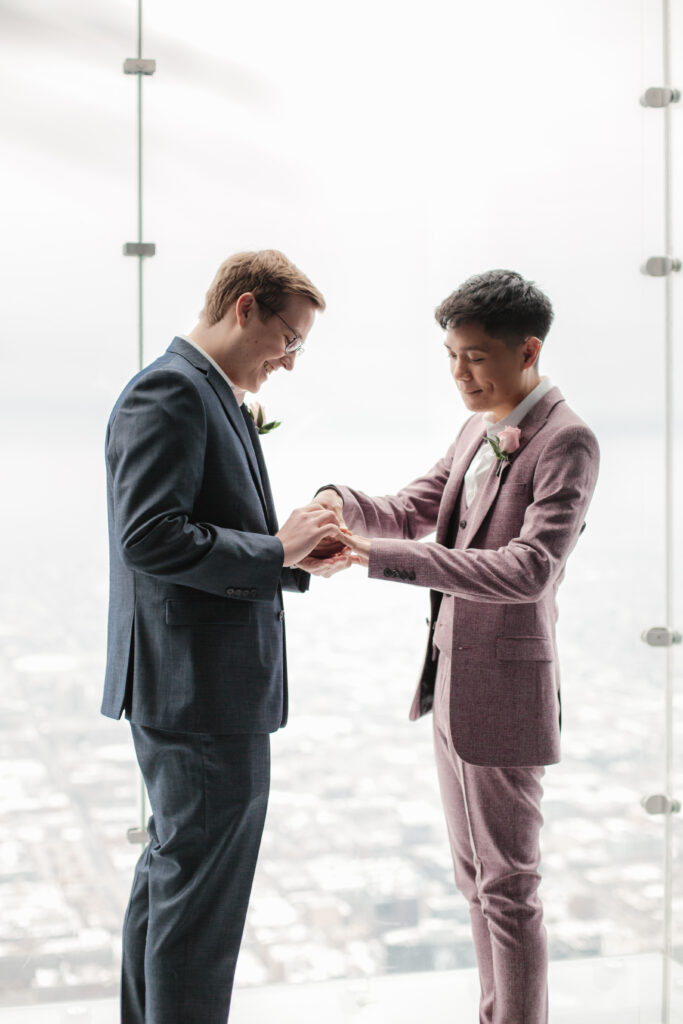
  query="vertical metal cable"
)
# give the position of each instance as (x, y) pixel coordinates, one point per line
(668, 521)
(143, 791)
(140, 257)
(138, 66)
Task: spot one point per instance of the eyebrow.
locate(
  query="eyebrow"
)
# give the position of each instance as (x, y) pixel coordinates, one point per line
(467, 348)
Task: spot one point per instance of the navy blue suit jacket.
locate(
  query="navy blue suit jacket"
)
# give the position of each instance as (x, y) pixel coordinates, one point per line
(196, 633)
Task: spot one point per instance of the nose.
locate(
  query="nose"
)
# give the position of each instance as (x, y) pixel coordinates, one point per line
(461, 370)
(287, 360)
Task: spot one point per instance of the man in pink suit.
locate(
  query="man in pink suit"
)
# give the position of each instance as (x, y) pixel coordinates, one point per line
(507, 502)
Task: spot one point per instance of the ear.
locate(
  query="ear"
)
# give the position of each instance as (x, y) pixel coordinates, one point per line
(245, 307)
(531, 350)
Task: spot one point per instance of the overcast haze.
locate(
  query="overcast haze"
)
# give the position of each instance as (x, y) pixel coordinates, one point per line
(390, 149)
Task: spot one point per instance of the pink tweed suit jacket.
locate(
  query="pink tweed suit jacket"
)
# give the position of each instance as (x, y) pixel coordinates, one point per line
(504, 574)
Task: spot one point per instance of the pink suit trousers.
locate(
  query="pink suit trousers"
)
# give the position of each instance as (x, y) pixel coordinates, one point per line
(494, 822)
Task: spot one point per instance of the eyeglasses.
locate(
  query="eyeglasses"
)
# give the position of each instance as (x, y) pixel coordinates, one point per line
(296, 345)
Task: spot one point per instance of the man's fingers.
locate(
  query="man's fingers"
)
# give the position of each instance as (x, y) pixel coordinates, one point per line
(324, 515)
(327, 567)
(359, 545)
(347, 538)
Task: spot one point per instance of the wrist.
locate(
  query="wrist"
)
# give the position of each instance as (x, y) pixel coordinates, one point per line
(329, 487)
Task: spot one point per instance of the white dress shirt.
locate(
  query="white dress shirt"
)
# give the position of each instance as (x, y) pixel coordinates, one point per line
(485, 456)
(239, 393)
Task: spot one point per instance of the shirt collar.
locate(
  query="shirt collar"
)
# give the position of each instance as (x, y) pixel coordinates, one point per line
(515, 417)
(239, 393)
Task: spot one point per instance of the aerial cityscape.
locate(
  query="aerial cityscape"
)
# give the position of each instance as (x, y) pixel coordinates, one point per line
(355, 877)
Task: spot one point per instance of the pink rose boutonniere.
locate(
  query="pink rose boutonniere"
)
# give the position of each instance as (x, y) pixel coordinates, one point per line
(258, 415)
(504, 444)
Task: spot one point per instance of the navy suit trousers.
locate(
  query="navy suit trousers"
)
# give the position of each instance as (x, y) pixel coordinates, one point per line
(188, 904)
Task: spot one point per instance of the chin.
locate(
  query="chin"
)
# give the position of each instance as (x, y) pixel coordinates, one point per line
(475, 402)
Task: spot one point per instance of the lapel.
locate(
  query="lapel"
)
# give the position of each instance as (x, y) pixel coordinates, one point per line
(470, 440)
(486, 495)
(258, 451)
(232, 411)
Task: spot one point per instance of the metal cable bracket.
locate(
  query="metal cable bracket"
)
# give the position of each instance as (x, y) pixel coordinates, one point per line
(661, 266)
(139, 249)
(660, 636)
(139, 66)
(656, 96)
(658, 803)
(137, 835)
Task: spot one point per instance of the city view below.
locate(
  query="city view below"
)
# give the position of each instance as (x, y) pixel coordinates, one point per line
(355, 878)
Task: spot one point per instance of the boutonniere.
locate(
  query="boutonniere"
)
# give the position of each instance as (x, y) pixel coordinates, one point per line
(258, 415)
(504, 444)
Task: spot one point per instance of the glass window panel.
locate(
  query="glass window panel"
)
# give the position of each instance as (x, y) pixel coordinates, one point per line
(391, 152)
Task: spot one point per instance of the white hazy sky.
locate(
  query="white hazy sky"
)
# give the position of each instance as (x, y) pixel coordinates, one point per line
(391, 149)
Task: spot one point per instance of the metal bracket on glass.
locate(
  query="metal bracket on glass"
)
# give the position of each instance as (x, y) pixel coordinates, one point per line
(656, 96)
(661, 266)
(139, 249)
(137, 835)
(660, 636)
(138, 66)
(658, 803)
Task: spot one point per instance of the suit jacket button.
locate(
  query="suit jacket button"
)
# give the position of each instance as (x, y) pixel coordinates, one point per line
(463, 524)
(403, 574)
(411, 575)
(252, 592)
(281, 616)
(388, 573)
(230, 591)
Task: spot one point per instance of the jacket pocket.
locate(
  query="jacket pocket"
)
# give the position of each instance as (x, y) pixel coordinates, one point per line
(525, 648)
(219, 612)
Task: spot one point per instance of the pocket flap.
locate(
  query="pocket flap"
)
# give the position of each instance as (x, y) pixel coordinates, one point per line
(219, 612)
(525, 648)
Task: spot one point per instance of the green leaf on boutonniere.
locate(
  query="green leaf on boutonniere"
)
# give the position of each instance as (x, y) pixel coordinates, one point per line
(493, 441)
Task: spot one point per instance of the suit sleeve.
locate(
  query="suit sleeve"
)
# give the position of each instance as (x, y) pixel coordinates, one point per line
(410, 514)
(519, 572)
(295, 579)
(155, 453)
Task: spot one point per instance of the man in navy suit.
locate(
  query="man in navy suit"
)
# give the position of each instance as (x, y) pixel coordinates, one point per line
(196, 645)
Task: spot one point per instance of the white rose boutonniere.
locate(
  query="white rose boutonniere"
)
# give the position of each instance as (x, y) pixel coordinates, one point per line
(504, 444)
(258, 415)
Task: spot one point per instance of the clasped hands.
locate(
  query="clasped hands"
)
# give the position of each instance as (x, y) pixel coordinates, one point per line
(312, 535)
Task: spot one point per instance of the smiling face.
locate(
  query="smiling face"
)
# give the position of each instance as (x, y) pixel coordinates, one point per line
(259, 344)
(491, 376)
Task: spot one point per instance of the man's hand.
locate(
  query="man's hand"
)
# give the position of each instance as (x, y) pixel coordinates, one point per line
(304, 530)
(331, 500)
(328, 566)
(358, 546)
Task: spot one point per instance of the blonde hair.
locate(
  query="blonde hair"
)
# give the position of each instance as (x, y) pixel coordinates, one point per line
(268, 274)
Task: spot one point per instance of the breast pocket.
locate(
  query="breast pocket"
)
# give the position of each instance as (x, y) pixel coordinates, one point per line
(206, 612)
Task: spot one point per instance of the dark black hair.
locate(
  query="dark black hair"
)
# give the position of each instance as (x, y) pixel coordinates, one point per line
(503, 303)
